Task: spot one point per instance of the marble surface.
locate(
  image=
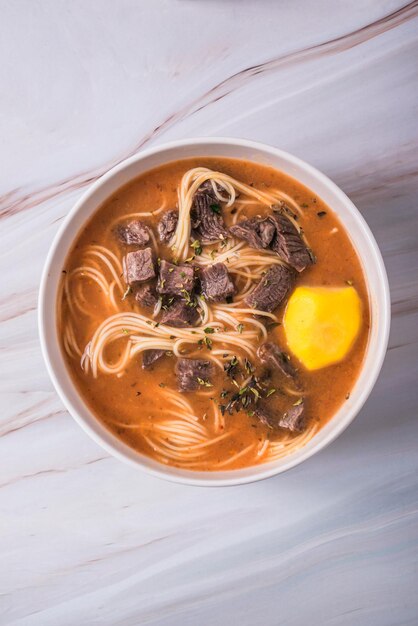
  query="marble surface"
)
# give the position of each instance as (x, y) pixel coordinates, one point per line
(85, 539)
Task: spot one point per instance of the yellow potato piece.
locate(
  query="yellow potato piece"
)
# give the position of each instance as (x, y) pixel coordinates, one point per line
(321, 324)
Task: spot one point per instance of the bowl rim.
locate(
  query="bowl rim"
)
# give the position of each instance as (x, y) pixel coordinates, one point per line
(167, 472)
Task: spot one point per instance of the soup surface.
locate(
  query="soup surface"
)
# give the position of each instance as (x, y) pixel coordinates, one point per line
(222, 346)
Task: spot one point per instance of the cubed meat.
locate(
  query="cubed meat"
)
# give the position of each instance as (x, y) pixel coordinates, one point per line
(135, 233)
(289, 245)
(138, 266)
(272, 289)
(175, 280)
(257, 232)
(263, 412)
(294, 419)
(216, 283)
(167, 225)
(193, 374)
(270, 354)
(146, 295)
(180, 315)
(206, 216)
(149, 357)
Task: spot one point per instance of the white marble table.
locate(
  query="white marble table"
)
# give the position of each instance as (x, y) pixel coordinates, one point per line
(87, 540)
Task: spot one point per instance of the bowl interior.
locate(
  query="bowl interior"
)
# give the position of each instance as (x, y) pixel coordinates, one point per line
(352, 220)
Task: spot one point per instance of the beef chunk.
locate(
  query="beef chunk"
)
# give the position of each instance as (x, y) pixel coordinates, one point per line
(257, 232)
(207, 221)
(134, 233)
(180, 315)
(278, 233)
(174, 280)
(216, 283)
(190, 371)
(167, 225)
(264, 414)
(149, 357)
(294, 419)
(288, 243)
(271, 354)
(138, 266)
(272, 289)
(146, 295)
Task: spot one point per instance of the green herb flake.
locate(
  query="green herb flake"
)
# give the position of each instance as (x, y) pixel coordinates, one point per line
(209, 330)
(162, 385)
(204, 383)
(187, 296)
(304, 205)
(207, 342)
(125, 331)
(171, 269)
(196, 245)
(216, 208)
(240, 328)
(249, 367)
(298, 402)
(270, 392)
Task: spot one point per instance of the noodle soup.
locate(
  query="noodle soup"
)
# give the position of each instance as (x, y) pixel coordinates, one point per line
(214, 314)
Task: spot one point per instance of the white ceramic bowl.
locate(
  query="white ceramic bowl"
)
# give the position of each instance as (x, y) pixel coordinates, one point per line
(354, 223)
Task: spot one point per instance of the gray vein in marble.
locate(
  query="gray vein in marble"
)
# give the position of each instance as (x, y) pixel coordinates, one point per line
(12, 203)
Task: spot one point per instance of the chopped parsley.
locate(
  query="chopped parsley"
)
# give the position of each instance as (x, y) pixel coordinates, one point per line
(197, 247)
(249, 367)
(204, 383)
